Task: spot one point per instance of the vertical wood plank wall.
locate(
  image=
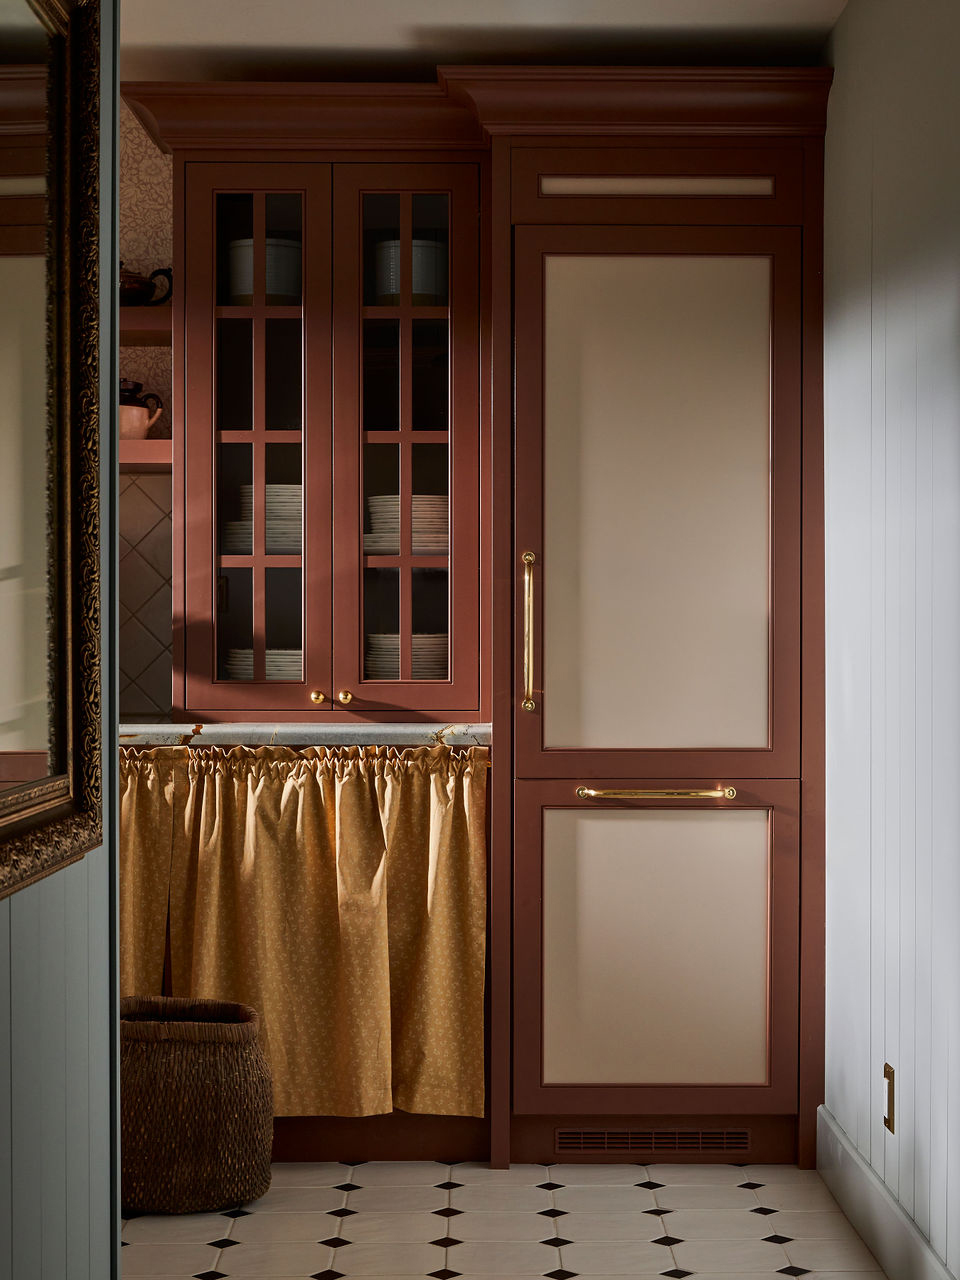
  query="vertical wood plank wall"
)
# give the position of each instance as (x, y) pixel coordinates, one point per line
(892, 379)
(56, 972)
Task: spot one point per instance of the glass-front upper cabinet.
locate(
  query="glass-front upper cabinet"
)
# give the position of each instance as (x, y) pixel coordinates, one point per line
(328, 462)
(406, 412)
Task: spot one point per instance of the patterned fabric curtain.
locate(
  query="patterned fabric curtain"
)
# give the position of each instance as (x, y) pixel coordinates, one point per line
(340, 892)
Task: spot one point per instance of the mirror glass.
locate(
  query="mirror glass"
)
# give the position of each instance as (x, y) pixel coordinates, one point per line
(24, 416)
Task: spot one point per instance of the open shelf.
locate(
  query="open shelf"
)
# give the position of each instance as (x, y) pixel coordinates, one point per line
(146, 455)
(146, 326)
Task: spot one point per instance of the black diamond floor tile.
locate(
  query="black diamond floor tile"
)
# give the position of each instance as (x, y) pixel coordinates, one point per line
(557, 1242)
(676, 1273)
(793, 1271)
(658, 1212)
(750, 1186)
(763, 1210)
(649, 1186)
(327, 1275)
(124, 1243)
(222, 1244)
(235, 1213)
(445, 1274)
(667, 1240)
(335, 1242)
(447, 1213)
(448, 1186)
(552, 1213)
(446, 1242)
(550, 1186)
(347, 1186)
(342, 1213)
(778, 1239)
(560, 1274)
(354, 1164)
(210, 1275)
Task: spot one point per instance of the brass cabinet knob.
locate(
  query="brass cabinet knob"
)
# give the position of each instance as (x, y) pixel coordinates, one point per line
(317, 696)
(345, 696)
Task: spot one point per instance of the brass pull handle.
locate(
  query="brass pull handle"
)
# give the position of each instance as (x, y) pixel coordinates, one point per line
(317, 696)
(345, 696)
(721, 793)
(529, 559)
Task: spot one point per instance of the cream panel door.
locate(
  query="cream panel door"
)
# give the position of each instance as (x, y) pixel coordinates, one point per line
(656, 550)
(656, 946)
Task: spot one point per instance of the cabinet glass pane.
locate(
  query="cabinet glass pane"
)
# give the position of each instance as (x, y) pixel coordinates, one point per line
(381, 624)
(283, 500)
(430, 516)
(235, 624)
(381, 489)
(234, 219)
(655, 947)
(283, 373)
(381, 375)
(430, 618)
(283, 597)
(283, 256)
(234, 375)
(656, 501)
(431, 222)
(235, 499)
(381, 249)
(430, 375)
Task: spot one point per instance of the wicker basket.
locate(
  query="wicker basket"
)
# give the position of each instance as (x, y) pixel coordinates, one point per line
(196, 1106)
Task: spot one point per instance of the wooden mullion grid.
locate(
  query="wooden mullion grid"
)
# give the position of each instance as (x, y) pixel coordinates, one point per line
(259, 442)
(248, 312)
(272, 437)
(395, 437)
(406, 427)
(396, 312)
(405, 562)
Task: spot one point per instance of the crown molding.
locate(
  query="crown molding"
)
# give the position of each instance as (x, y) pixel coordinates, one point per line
(23, 102)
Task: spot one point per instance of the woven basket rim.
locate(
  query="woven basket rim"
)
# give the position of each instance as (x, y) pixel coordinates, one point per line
(183, 1018)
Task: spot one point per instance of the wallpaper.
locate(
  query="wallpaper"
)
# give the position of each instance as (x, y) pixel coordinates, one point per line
(145, 177)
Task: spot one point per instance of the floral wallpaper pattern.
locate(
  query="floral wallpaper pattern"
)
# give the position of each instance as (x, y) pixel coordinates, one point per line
(145, 177)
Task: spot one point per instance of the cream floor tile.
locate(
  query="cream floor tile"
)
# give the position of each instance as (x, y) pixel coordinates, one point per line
(515, 1258)
(401, 1173)
(690, 1196)
(310, 1175)
(167, 1259)
(704, 1175)
(526, 1175)
(166, 1228)
(778, 1173)
(831, 1255)
(725, 1256)
(838, 1275)
(814, 1224)
(293, 1258)
(590, 1175)
(398, 1199)
(261, 1228)
(722, 1224)
(388, 1259)
(604, 1199)
(394, 1228)
(299, 1200)
(615, 1258)
(491, 1199)
(797, 1195)
(502, 1226)
(613, 1226)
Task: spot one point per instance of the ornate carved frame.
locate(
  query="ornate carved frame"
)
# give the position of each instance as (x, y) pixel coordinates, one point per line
(47, 824)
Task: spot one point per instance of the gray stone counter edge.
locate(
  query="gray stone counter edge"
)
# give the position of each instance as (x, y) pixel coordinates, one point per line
(304, 735)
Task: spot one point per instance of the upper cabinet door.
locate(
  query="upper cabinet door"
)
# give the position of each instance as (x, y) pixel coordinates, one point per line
(256, 379)
(658, 501)
(406, 413)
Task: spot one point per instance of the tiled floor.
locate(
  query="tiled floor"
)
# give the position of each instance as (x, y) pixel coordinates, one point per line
(598, 1221)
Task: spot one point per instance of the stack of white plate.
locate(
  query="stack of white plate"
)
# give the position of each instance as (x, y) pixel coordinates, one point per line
(429, 524)
(284, 522)
(429, 657)
(281, 664)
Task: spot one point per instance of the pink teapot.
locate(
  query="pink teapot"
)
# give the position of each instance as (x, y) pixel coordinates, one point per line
(136, 415)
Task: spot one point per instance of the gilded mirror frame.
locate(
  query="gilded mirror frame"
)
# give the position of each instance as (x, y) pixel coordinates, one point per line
(49, 823)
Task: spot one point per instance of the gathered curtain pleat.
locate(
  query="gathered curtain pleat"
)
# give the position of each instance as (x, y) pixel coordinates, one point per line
(339, 891)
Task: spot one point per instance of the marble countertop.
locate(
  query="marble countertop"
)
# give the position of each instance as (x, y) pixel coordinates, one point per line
(304, 735)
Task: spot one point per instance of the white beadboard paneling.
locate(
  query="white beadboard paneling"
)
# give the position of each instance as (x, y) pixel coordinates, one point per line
(6, 1169)
(892, 361)
(26, 1100)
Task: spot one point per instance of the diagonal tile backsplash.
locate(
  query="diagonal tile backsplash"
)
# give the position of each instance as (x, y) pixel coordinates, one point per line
(145, 597)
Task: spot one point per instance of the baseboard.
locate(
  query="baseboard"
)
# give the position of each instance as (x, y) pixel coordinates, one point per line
(889, 1233)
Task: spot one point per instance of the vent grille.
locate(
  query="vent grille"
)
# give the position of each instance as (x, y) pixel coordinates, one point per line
(652, 1140)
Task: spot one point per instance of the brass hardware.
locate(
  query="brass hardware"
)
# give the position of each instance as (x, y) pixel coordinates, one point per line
(721, 793)
(888, 1075)
(317, 696)
(345, 696)
(529, 559)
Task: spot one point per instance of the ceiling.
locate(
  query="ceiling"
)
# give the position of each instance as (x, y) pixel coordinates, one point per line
(405, 39)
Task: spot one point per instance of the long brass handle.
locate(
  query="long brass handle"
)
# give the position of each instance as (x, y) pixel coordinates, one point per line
(721, 793)
(529, 559)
